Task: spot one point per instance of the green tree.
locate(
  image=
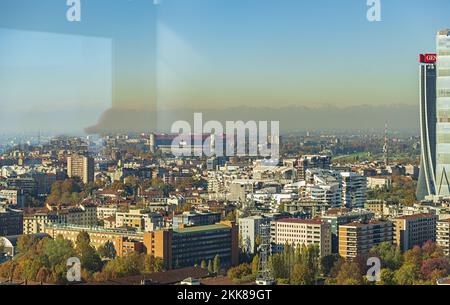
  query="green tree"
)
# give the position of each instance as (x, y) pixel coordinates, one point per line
(255, 264)
(90, 260)
(306, 268)
(83, 239)
(408, 274)
(349, 274)
(124, 266)
(239, 272)
(152, 264)
(389, 254)
(257, 242)
(216, 264)
(203, 264)
(107, 250)
(25, 243)
(278, 266)
(210, 266)
(301, 275)
(327, 262)
(387, 277)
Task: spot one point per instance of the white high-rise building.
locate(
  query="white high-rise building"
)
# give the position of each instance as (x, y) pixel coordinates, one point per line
(443, 113)
(249, 230)
(354, 190)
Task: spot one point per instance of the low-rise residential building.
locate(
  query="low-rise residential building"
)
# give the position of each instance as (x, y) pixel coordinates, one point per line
(358, 238)
(298, 232)
(375, 206)
(414, 230)
(379, 182)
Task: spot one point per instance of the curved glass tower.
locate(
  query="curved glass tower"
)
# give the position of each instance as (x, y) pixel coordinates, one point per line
(442, 177)
(426, 184)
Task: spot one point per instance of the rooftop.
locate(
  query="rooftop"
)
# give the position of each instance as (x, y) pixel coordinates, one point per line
(300, 221)
(416, 216)
(201, 228)
(359, 224)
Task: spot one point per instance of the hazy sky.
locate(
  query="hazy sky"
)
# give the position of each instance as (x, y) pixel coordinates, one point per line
(211, 54)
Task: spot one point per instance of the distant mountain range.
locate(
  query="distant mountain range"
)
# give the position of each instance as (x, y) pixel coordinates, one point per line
(323, 118)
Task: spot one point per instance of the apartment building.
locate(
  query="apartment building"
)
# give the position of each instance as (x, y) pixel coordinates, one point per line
(106, 212)
(337, 217)
(13, 197)
(249, 230)
(124, 240)
(443, 235)
(354, 189)
(298, 232)
(139, 219)
(379, 182)
(311, 161)
(358, 238)
(81, 167)
(414, 230)
(35, 220)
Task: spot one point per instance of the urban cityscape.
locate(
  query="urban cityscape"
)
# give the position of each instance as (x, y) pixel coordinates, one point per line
(212, 205)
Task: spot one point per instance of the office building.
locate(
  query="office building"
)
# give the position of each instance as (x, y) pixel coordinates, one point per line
(426, 184)
(184, 247)
(11, 221)
(195, 219)
(443, 113)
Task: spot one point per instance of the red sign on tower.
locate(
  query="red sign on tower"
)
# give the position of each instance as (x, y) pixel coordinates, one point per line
(428, 58)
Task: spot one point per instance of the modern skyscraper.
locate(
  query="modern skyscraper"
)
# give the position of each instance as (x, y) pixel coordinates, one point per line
(82, 167)
(443, 113)
(426, 184)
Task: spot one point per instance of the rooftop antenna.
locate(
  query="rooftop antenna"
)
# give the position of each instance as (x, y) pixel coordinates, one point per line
(264, 274)
(385, 146)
